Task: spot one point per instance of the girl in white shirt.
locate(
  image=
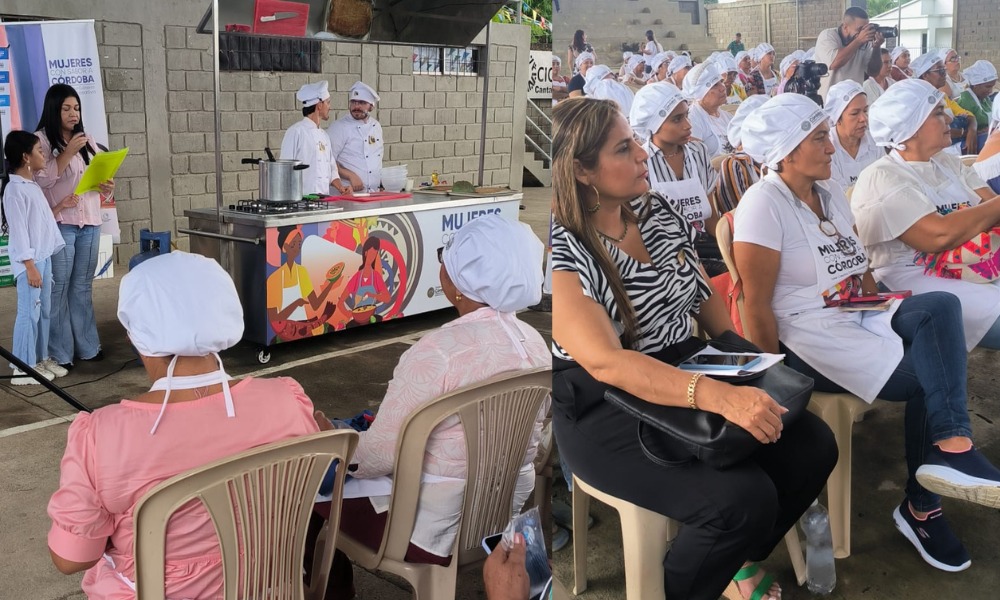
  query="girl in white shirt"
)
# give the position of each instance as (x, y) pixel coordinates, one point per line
(798, 253)
(34, 238)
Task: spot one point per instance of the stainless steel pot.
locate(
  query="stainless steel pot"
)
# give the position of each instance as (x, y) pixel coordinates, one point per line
(280, 180)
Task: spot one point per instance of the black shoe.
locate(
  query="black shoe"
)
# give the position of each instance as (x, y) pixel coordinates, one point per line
(95, 358)
(932, 538)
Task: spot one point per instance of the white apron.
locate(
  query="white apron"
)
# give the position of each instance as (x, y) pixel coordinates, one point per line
(980, 301)
(688, 195)
(323, 166)
(846, 170)
(856, 350)
(289, 294)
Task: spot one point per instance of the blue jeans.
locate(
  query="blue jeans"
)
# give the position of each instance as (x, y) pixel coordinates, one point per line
(992, 338)
(31, 325)
(931, 379)
(73, 330)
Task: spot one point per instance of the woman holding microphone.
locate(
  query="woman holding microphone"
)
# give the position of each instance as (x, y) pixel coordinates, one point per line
(67, 151)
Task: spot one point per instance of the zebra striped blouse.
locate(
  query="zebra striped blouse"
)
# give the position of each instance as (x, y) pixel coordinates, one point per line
(663, 292)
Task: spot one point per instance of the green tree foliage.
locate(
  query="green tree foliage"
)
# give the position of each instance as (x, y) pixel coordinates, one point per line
(877, 7)
(536, 14)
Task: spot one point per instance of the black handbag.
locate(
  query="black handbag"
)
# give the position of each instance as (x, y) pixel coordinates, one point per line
(673, 436)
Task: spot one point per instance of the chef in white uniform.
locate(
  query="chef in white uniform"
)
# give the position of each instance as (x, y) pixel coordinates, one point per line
(307, 143)
(920, 199)
(705, 89)
(358, 143)
(854, 148)
(798, 254)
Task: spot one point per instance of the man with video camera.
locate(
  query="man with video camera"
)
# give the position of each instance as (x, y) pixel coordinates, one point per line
(850, 50)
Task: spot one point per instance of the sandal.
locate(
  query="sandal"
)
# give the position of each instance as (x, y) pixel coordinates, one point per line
(762, 589)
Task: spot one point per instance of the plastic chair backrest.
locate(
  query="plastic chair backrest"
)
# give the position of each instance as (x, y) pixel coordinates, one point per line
(260, 502)
(717, 161)
(498, 416)
(734, 298)
(969, 159)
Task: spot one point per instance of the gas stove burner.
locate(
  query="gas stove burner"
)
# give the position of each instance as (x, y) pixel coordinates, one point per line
(264, 207)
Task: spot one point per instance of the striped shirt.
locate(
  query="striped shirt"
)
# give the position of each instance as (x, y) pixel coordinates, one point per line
(663, 292)
(697, 164)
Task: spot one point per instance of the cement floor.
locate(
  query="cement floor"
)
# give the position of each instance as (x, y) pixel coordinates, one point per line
(882, 565)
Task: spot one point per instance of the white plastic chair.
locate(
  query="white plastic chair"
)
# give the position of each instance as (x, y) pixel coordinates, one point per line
(838, 411)
(260, 502)
(498, 416)
(646, 536)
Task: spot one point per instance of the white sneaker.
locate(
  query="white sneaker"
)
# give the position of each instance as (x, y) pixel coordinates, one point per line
(22, 378)
(52, 367)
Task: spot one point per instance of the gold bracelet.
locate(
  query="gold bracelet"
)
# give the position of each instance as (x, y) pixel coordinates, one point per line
(690, 392)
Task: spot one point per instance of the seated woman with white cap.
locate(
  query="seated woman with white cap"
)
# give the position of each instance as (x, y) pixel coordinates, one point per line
(787, 70)
(918, 199)
(601, 84)
(705, 88)
(797, 252)
(978, 98)
(491, 268)
(680, 167)
(678, 69)
(930, 67)
(988, 162)
(900, 58)
(584, 61)
(636, 77)
(620, 300)
(743, 66)
(854, 148)
(180, 310)
(658, 65)
(738, 171)
(734, 90)
(763, 79)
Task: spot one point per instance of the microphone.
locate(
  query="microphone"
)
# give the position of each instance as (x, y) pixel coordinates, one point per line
(78, 129)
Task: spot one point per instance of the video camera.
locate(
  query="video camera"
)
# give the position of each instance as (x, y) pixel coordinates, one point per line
(805, 80)
(888, 31)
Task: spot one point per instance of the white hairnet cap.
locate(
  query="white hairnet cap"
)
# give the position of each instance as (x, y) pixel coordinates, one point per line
(594, 75)
(810, 53)
(762, 49)
(625, 56)
(497, 262)
(180, 304)
(651, 107)
(794, 57)
(658, 60)
(678, 63)
(609, 89)
(701, 78)
(740, 56)
(981, 71)
(364, 92)
(312, 94)
(775, 129)
(634, 62)
(726, 62)
(583, 57)
(897, 52)
(734, 131)
(839, 96)
(924, 62)
(900, 111)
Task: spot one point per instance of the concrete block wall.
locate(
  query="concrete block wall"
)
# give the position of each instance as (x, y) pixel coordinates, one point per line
(785, 25)
(977, 28)
(120, 46)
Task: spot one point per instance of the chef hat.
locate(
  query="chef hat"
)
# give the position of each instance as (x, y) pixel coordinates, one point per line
(839, 96)
(794, 57)
(180, 304)
(740, 56)
(924, 62)
(625, 56)
(981, 71)
(700, 79)
(658, 60)
(678, 63)
(583, 57)
(609, 89)
(312, 94)
(594, 75)
(734, 131)
(775, 129)
(497, 262)
(901, 110)
(897, 52)
(634, 62)
(726, 62)
(651, 107)
(763, 48)
(363, 92)
(670, 54)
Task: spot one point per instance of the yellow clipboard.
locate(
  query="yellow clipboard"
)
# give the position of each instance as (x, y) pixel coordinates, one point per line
(102, 167)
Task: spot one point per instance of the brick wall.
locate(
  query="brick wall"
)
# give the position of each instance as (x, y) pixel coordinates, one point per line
(776, 22)
(977, 27)
(431, 123)
(121, 52)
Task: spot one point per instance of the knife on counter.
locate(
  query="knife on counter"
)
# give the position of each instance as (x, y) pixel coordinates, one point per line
(279, 16)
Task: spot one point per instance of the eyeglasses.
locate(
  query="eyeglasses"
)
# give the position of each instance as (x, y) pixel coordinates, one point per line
(954, 59)
(843, 244)
(938, 71)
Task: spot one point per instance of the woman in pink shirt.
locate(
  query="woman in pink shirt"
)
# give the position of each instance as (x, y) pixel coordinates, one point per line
(192, 415)
(67, 150)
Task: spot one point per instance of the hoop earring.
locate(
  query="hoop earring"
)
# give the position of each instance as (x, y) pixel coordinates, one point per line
(596, 207)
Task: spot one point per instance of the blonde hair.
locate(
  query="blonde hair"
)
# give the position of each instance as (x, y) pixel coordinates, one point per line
(580, 129)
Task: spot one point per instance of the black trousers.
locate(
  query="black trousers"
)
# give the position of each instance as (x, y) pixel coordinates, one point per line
(727, 516)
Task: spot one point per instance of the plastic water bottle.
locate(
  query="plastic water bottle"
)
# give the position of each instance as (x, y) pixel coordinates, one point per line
(821, 575)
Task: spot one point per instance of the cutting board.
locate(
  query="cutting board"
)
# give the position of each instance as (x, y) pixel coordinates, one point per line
(294, 26)
(373, 197)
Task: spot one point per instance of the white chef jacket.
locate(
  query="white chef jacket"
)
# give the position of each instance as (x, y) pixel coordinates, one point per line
(359, 146)
(34, 234)
(307, 143)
